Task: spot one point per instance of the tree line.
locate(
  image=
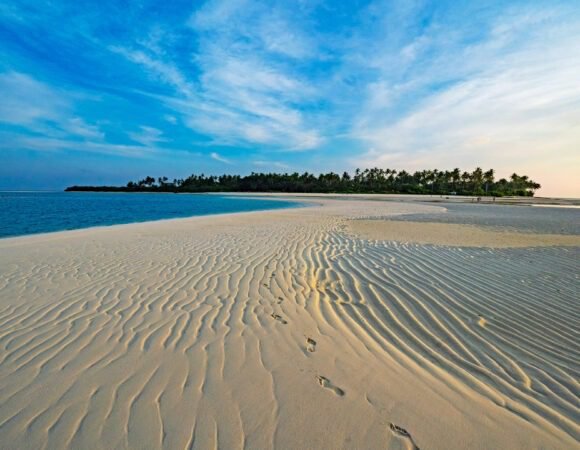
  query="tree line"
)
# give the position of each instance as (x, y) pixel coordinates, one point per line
(375, 180)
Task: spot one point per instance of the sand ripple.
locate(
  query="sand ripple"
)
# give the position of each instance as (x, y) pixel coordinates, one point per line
(283, 330)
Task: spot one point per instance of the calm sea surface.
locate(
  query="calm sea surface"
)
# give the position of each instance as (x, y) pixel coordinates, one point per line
(24, 213)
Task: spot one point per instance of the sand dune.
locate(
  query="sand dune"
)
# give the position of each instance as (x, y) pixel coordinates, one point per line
(287, 330)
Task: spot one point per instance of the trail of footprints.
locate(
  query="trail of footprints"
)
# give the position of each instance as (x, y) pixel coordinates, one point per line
(324, 382)
(311, 348)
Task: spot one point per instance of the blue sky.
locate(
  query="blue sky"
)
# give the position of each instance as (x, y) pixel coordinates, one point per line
(103, 92)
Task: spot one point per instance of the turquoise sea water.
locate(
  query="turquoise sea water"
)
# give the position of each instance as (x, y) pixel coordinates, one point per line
(24, 213)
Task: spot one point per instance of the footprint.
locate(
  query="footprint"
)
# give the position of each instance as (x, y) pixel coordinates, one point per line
(279, 319)
(325, 383)
(401, 432)
(311, 347)
(280, 300)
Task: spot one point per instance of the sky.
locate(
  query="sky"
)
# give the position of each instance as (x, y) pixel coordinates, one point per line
(106, 92)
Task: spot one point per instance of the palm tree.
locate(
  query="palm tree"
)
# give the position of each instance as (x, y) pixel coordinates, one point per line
(465, 179)
(488, 177)
(455, 177)
(477, 179)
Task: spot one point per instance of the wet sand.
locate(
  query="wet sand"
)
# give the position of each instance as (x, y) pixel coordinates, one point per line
(456, 235)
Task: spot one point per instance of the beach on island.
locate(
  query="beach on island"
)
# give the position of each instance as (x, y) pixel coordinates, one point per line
(351, 323)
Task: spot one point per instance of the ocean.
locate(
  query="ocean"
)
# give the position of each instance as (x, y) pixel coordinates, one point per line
(23, 213)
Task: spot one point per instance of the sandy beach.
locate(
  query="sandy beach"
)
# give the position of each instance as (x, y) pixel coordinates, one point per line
(325, 327)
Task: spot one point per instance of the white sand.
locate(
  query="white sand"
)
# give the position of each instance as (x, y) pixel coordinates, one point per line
(284, 330)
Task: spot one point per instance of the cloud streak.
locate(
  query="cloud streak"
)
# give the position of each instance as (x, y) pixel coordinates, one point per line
(147, 136)
(242, 94)
(217, 157)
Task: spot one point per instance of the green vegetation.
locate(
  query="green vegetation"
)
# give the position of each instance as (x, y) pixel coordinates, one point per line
(438, 182)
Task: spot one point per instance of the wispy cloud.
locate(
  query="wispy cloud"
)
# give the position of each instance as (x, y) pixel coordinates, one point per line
(30, 103)
(76, 126)
(164, 71)
(243, 93)
(47, 144)
(218, 157)
(39, 108)
(147, 136)
(51, 123)
(237, 102)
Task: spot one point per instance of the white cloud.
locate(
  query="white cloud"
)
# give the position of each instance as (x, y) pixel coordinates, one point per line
(13, 141)
(147, 136)
(50, 144)
(237, 102)
(159, 69)
(219, 158)
(246, 89)
(264, 27)
(42, 109)
(78, 127)
(49, 117)
(26, 101)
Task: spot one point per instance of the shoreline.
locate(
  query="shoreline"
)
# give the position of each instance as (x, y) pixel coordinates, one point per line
(513, 201)
(98, 227)
(311, 200)
(405, 231)
(506, 200)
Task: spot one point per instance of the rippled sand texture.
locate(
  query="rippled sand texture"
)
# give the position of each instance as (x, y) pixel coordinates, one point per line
(284, 330)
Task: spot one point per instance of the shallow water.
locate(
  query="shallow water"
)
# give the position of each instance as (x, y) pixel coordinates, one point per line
(23, 213)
